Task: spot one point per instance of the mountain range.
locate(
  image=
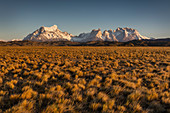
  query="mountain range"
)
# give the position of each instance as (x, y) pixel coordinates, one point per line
(54, 34)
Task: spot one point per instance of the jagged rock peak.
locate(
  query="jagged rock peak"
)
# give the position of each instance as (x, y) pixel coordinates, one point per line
(96, 33)
(110, 30)
(105, 32)
(96, 30)
(52, 28)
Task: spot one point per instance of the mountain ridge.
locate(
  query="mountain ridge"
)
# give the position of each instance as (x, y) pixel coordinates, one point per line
(54, 34)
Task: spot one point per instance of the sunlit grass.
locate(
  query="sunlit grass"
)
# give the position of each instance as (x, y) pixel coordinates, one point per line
(84, 79)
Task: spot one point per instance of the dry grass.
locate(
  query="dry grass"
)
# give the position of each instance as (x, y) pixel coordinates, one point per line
(84, 79)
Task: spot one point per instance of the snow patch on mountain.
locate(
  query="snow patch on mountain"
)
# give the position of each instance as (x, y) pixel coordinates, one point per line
(16, 40)
(52, 28)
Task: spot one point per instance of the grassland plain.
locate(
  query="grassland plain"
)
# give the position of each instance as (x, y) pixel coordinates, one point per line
(84, 79)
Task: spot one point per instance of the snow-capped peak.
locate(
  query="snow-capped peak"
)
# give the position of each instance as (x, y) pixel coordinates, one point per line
(52, 28)
(48, 34)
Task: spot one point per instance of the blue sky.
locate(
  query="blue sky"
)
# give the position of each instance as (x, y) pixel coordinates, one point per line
(21, 17)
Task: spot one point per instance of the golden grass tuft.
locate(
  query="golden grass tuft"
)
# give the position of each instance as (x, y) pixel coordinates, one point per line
(95, 106)
(1, 80)
(104, 97)
(28, 93)
(14, 96)
(10, 85)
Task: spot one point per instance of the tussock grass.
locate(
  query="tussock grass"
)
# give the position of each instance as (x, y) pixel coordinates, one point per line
(84, 79)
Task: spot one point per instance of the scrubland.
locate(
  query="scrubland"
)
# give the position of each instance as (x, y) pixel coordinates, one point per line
(84, 79)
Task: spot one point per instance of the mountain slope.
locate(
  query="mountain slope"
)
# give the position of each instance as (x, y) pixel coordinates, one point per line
(48, 34)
